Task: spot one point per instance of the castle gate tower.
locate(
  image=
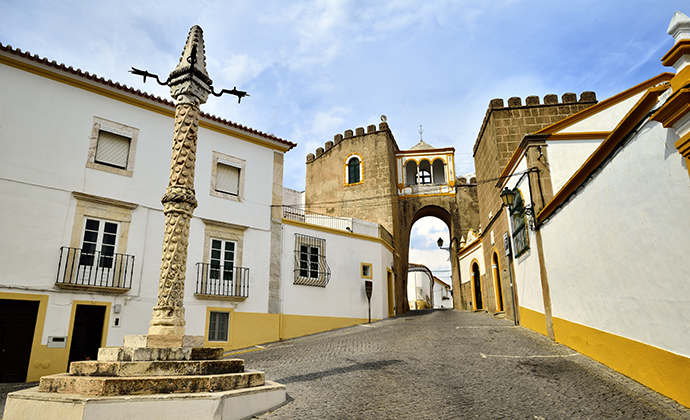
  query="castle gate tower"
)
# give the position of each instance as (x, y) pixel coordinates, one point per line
(366, 176)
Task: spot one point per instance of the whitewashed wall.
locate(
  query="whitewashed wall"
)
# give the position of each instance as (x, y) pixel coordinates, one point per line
(466, 263)
(566, 157)
(418, 286)
(344, 296)
(526, 266)
(605, 120)
(46, 130)
(630, 226)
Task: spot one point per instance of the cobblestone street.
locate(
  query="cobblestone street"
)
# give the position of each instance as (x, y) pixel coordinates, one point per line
(448, 364)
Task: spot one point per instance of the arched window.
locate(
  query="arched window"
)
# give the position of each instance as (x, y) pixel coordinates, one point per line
(410, 172)
(439, 168)
(424, 175)
(353, 170)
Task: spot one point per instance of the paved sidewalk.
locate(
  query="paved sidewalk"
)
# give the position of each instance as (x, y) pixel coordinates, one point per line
(448, 364)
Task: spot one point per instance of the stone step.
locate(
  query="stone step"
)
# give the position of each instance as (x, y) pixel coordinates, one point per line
(156, 368)
(151, 354)
(146, 385)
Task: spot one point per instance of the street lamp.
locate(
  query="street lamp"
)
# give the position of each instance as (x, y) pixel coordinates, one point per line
(450, 252)
(508, 197)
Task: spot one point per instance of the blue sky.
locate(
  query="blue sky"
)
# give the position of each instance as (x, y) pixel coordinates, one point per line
(316, 68)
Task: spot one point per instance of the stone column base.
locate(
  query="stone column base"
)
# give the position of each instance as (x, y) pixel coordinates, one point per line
(226, 405)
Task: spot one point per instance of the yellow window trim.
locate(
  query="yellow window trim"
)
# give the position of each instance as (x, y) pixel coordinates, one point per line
(231, 321)
(371, 272)
(361, 169)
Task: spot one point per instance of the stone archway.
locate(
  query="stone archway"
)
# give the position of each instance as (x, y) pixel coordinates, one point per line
(454, 211)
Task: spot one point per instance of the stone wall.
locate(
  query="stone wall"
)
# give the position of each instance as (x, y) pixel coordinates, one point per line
(501, 132)
(373, 199)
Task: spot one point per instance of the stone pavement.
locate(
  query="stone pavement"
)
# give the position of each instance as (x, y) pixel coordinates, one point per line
(448, 364)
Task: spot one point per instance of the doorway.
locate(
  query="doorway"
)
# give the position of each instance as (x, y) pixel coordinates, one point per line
(477, 283)
(17, 325)
(497, 282)
(87, 332)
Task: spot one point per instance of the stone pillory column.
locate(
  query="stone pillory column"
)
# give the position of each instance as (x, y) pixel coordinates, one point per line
(189, 86)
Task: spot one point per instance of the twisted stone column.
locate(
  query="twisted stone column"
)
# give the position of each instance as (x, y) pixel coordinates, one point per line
(179, 203)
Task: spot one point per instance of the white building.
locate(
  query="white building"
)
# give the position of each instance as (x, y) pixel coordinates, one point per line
(85, 162)
(443, 296)
(602, 267)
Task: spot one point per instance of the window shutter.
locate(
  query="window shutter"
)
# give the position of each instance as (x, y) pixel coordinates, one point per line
(112, 149)
(227, 179)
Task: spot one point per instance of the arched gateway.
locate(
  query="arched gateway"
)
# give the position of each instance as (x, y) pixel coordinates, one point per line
(394, 188)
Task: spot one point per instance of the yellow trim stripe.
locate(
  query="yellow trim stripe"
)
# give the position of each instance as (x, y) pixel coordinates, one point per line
(680, 48)
(663, 371)
(592, 135)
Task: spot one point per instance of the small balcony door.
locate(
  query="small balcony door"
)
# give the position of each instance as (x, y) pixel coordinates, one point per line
(97, 259)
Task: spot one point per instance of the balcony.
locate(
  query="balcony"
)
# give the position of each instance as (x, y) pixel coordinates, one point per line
(95, 271)
(218, 282)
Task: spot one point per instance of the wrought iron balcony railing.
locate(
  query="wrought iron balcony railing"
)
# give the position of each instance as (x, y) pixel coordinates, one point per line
(219, 280)
(79, 268)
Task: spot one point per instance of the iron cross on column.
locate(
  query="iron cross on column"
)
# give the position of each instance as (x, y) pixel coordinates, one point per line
(190, 72)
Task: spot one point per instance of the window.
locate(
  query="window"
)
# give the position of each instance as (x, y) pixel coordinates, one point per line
(311, 268)
(410, 172)
(98, 244)
(220, 275)
(96, 253)
(366, 271)
(227, 177)
(218, 326)
(424, 174)
(353, 169)
(439, 169)
(112, 147)
(222, 259)
(517, 216)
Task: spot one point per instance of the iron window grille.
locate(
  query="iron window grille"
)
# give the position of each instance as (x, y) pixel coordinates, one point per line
(88, 267)
(517, 215)
(311, 268)
(222, 280)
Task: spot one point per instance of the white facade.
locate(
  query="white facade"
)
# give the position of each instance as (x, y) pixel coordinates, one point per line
(443, 297)
(347, 257)
(419, 286)
(85, 163)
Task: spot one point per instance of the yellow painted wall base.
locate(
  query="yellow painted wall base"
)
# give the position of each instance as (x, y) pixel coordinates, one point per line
(665, 372)
(250, 329)
(535, 321)
(300, 325)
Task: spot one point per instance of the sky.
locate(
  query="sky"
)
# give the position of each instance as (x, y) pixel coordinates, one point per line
(316, 68)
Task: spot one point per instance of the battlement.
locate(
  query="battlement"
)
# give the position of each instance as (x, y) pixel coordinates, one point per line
(533, 115)
(551, 99)
(359, 131)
